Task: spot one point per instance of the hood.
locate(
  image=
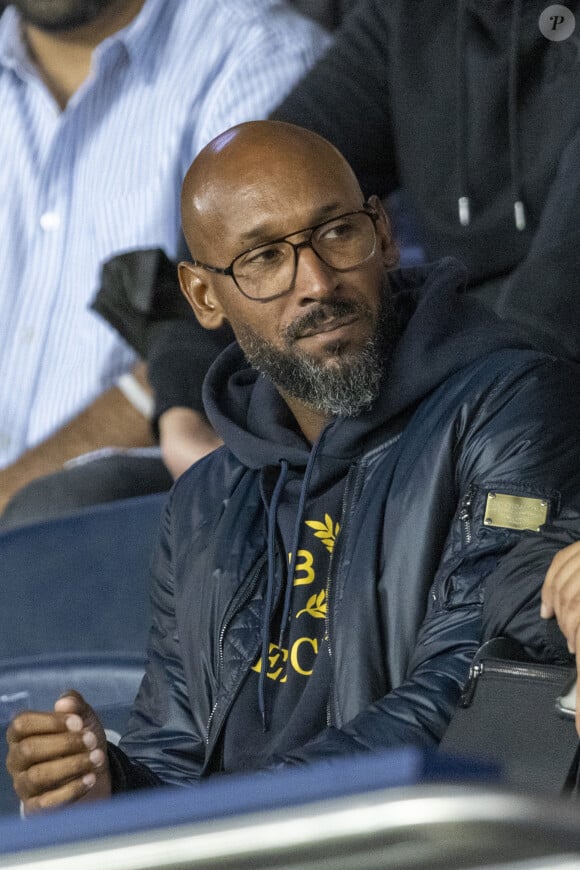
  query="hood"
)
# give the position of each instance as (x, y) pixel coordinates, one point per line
(442, 329)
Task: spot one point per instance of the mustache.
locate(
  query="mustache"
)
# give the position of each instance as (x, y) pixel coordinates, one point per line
(334, 309)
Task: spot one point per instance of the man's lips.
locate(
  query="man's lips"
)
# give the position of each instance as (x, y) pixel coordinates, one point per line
(331, 325)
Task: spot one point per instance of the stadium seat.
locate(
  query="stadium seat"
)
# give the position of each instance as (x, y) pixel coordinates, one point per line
(75, 611)
(79, 583)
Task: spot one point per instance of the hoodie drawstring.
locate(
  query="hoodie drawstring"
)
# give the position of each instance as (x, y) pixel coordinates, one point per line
(460, 107)
(464, 205)
(519, 211)
(296, 539)
(272, 518)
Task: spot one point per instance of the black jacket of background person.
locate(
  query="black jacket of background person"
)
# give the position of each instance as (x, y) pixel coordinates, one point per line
(453, 98)
(417, 580)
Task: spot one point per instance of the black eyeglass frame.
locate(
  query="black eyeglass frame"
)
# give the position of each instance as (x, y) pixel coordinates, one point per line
(367, 209)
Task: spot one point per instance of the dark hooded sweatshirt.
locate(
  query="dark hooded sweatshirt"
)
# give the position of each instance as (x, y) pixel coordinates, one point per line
(282, 706)
(416, 579)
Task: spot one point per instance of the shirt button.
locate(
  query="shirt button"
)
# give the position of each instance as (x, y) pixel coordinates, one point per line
(27, 335)
(50, 221)
(5, 441)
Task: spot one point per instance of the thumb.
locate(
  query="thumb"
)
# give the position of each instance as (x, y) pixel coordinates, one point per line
(70, 701)
(82, 717)
(73, 702)
(547, 597)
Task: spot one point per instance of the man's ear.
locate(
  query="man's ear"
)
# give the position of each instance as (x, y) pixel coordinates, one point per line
(385, 237)
(199, 294)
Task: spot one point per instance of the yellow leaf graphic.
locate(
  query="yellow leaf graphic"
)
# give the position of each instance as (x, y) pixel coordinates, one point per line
(315, 606)
(315, 524)
(326, 531)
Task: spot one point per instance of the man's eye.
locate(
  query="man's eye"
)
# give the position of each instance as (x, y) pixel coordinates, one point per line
(341, 230)
(265, 256)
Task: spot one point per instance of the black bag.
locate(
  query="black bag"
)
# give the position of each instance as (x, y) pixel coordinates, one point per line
(139, 288)
(509, 713)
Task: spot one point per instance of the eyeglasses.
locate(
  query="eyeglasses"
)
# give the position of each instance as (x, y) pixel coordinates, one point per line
(268, 271)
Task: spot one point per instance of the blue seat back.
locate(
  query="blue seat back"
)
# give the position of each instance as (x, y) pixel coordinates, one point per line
(74, 605)
(79, 583)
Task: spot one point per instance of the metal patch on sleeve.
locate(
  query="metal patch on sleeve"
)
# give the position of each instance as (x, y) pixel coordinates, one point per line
(504, 511)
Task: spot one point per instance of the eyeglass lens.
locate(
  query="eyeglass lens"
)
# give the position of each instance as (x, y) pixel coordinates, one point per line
(341, 243)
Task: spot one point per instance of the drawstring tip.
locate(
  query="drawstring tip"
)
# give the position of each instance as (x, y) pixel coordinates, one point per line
(520, 215)
(464, 211)
(262, 702)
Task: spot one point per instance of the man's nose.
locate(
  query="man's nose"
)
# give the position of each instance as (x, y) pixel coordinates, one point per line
(313, 277)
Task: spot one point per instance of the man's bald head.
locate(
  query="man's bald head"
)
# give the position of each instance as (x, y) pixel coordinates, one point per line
(325, 330)
(259, 163)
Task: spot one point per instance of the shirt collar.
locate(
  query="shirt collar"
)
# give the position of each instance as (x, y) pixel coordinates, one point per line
(138, 36)
(13, 52)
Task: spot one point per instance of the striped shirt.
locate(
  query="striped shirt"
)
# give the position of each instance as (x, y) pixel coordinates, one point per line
(104, 176)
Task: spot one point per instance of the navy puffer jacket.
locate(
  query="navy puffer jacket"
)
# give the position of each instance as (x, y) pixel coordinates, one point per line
(423, 571)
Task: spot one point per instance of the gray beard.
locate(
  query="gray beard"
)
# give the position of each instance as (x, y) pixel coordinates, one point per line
(345, 385)
(60, 15)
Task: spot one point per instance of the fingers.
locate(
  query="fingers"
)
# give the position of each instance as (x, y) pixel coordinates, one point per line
(46, 781)
(58, 757)
(564, 564)
(67, 794)
(561, 593)
(28, 723)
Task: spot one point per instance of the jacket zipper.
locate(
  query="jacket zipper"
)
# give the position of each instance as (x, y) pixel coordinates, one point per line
(327, 620)
(465, 515)
(351, 492)
(236, 605)
(330, 713)
(466, 520)
(515, 669)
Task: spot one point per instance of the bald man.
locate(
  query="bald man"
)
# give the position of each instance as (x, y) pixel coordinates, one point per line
(396, 475)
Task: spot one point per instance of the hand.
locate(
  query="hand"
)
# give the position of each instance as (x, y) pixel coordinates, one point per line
(561, 594)
(60, 757)
(561, 598)
(185, 436)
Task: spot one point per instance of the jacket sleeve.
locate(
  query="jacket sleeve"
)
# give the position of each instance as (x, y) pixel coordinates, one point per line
(161, 743)
(180, 355)
(522, 443)
(541, 294)
(345, 97)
